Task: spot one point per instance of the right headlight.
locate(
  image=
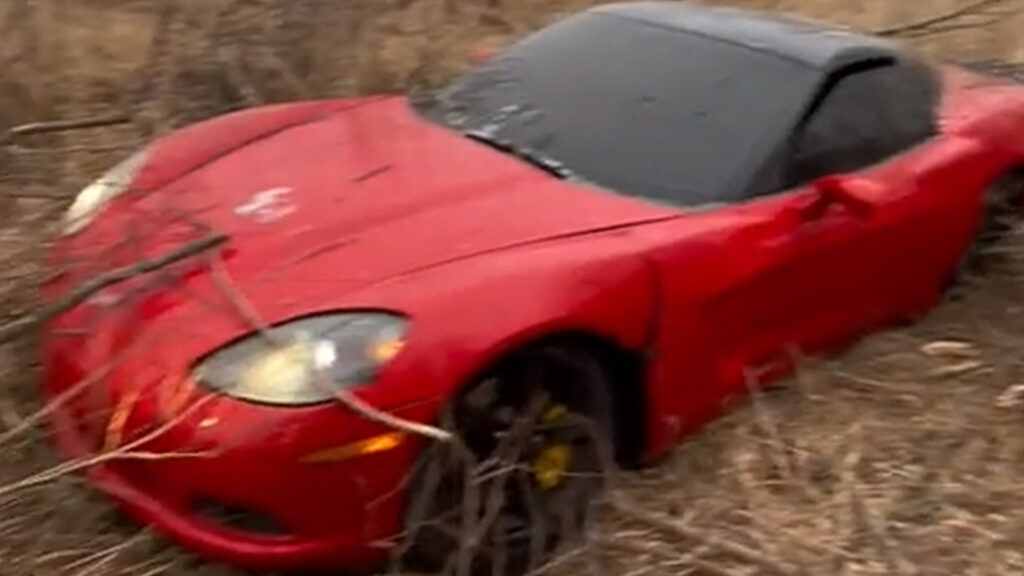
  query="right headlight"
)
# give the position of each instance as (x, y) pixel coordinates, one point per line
(305, 361)
(94, 197)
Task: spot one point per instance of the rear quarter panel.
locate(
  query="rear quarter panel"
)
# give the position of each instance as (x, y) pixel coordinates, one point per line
(932, 206)
(984, 108)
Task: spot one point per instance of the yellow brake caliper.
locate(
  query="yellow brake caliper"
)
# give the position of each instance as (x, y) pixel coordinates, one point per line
(550, 466)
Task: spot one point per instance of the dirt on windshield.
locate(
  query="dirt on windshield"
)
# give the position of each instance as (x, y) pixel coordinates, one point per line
(902, 456)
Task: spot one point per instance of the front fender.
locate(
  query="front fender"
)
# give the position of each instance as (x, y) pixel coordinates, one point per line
(467, 314)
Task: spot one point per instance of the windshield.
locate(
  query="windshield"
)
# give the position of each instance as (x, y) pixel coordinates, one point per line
(634, 107)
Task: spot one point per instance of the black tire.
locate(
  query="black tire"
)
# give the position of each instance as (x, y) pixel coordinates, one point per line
(533, 516)
(999, 215)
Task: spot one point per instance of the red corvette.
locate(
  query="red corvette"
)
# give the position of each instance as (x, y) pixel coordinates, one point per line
(623, 216)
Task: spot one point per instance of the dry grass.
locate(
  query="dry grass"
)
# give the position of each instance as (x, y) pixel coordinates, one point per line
(889, 460)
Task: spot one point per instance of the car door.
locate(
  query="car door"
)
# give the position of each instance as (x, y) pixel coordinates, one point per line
(833, 267)
(841, 262)
(815, 276)
(792, 269)
(750, 283)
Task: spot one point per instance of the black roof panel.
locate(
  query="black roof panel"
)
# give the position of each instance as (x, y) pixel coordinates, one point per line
(812, 43)
(638, 108)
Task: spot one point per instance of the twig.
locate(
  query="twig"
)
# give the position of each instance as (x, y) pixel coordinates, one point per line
(299, 88)
(70, 149)
(63, 125)
(34, 195)
(238, 301)
(65, 396)
(736, 549)
(953, 27)
(876, 528)
(153, 72)
(238, 79)
(357, 405)
(509, 448)
(862, 513)
(779, 452)
(159, 569)
(99, 559)
(125, 452)
(420, 501)
(98, 283)
(151, 566)
(919, 25)
(248, 312)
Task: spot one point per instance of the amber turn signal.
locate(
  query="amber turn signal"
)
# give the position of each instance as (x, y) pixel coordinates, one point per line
(371, 445)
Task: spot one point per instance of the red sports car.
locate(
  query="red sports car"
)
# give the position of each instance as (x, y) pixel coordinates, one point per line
(622, 216)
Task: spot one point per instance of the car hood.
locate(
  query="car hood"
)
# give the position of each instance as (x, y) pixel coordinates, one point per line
(347, 192)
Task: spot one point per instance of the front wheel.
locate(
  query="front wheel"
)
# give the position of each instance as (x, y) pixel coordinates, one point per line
(531, 460)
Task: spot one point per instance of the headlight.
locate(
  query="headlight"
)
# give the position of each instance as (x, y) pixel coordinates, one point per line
(91, 200)
(305, 361)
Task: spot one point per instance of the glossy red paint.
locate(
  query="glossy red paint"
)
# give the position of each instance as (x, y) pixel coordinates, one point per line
(375, 208)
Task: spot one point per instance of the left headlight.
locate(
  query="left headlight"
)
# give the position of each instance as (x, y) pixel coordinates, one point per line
(94, 197)
(305, 361)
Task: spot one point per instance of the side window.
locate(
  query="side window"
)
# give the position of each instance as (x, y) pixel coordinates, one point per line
(868, 115)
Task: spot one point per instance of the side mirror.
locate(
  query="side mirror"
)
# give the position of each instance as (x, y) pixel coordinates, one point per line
(857, 194)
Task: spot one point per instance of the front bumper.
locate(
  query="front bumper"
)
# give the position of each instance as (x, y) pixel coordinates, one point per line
(229, 457)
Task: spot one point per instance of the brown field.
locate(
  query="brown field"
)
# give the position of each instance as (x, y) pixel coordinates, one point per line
(891, 459)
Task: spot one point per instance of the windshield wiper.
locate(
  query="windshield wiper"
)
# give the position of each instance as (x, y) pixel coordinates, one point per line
(545, 163)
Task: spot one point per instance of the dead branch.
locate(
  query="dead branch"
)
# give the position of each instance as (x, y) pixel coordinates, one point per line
(654, 549)
(244, 307)
(930, 22)
(669, 525)
(130, 451)
(297, 86)
(51, 474)
(419, 502)
(66, 396)
(862, 513)
(63, 126)
(99, 559)
(357, 405)
(509, 449)
(246, 89)
(237, 299)
(153, 73)
(769, 426)
(98, 283)
(474, 511)
(70, 149)
(955, 26)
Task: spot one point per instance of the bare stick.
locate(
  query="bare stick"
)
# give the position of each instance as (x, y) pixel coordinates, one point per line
(779, 452)
(357, 405)
(248, 312)
(736, 549)
(863, 514)
(63, 125)
(153, 72)
(65, 396)
(967, 10)
(99, 559)
(98, 283)
(239, 301)
(128, 451)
